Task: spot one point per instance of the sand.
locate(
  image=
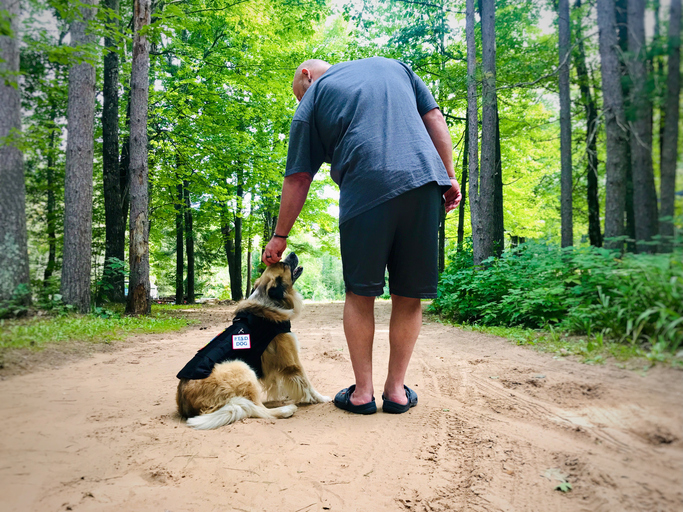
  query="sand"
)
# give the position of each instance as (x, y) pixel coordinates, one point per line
(498, 427)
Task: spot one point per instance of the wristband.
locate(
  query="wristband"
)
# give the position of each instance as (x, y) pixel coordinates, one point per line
(280, 236)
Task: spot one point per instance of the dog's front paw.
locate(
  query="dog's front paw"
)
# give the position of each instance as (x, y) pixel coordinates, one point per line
(317, 398)
(313, 397)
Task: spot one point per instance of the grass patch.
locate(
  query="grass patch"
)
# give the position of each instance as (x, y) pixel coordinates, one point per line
(104, 325)
(588, 349)
(176, 307)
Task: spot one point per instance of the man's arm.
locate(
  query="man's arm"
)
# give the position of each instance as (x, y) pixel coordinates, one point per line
(441, 138)
(294, 192)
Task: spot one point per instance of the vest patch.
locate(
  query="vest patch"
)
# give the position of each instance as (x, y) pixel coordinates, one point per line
(241, 341)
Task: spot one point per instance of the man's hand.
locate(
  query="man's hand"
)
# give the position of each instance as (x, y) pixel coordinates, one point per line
(274, 250)
(453, 196)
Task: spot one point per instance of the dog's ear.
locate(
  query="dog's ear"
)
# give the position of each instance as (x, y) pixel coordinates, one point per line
(277, 291)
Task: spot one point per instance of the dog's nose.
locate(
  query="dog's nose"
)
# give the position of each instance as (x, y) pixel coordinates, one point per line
(292, 260)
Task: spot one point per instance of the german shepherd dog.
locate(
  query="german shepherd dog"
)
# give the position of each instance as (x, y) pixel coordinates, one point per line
(232, 391)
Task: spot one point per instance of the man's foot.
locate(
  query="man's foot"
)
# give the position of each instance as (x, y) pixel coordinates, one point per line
(393, 407)
(343, 401)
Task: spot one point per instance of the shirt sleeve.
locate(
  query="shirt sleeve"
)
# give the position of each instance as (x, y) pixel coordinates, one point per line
(306, 152)
(423, 96)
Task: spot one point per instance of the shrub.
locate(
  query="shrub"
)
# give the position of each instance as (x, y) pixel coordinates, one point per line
(635, 298)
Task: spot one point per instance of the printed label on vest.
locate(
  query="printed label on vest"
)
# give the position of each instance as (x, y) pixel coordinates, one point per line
(240, 341)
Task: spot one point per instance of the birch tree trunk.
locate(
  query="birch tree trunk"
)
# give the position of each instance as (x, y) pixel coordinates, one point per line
(565, 128)
(14, 270)
(486, 207)
(113, 203)
(78, 186)
(644, 193)
(615, 123)
(138, 289)
(670, 137)
(473, 131)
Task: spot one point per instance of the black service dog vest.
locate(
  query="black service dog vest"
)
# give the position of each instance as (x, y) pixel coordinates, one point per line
(245, 340)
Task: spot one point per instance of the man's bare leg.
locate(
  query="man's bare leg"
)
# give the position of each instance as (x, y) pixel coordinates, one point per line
(359, 327)
(404, 328)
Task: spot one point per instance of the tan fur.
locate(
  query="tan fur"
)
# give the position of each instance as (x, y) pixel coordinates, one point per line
(284, 376)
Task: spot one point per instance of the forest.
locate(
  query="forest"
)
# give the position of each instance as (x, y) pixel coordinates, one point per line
(143, 146)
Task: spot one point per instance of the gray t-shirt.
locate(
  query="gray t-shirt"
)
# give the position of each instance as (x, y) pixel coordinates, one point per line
(364, 117)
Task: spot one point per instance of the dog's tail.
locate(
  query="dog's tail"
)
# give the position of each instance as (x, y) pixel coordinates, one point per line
(236, 409)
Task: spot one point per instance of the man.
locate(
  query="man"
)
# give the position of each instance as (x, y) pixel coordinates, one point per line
(390, 152)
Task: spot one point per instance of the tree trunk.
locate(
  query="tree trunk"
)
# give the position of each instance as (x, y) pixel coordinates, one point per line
(565, 127)
(247, 289)
(463, 185)
(613, 110)
(657, 50)
(138, 290)
(124, 177)
(114, 229)
(189, 241)
(228, 244)
(442, 241)
(473, 133)
(621, 17)
(498, 215)
(179, 244)
(269, 223)
(51, 202)
(236, 268)
(14, 269)
(487, 186)
(78, 189)
(594, 233)
(670, 137)
(644, 193)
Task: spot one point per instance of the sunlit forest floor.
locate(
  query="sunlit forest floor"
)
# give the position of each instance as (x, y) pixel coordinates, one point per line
(498, 427)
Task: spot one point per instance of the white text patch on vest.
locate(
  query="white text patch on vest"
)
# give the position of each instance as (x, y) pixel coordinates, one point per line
(241, 341)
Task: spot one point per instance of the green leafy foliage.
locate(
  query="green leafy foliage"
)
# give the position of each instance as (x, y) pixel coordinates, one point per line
(635, 299)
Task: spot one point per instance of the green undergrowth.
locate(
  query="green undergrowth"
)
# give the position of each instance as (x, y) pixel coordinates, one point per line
(587, 349)
(588, 302)
(176, 307)
(101, 326)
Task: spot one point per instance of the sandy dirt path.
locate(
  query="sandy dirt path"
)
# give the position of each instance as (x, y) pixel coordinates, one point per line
(496, 427)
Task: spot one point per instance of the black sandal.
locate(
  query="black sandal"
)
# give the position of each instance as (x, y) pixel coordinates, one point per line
(396, 408)
(343, 401)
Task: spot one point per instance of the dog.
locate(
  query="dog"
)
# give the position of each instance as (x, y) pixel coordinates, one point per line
(225, 380)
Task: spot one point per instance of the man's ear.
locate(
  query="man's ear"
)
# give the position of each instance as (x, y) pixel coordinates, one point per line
(277, 291)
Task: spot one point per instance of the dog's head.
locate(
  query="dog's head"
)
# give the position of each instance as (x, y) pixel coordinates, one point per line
(275, 287)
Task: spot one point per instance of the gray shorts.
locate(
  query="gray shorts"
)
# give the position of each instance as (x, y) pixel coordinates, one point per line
(400, 235)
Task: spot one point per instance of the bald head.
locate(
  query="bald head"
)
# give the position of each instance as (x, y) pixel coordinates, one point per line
(307, 73)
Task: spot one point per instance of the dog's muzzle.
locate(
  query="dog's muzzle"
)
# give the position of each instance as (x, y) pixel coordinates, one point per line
(292, 261)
